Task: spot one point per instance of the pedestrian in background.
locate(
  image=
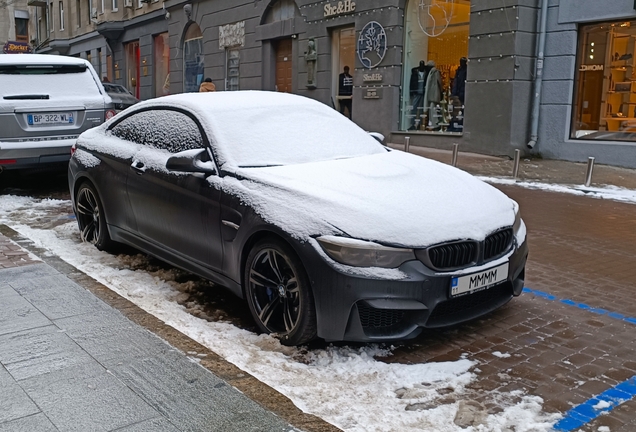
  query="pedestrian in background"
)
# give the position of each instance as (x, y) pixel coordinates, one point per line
(207, 86)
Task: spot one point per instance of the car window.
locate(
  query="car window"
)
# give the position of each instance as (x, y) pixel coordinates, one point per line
(163, 129)
(62, 81)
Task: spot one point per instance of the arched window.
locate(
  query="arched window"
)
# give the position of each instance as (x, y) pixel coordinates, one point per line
(280, 10)
(193, 58)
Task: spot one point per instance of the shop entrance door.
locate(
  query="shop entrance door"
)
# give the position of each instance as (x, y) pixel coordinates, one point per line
(132, 68)
(284, 65)
(344, 49)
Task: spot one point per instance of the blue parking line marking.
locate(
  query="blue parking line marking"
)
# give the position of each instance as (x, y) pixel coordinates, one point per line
(597, 406)
(609, 399)
(583, 306)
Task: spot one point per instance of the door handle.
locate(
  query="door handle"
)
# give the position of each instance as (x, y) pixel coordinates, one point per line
(138, 166)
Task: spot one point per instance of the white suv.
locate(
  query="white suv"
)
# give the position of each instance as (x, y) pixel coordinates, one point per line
(46, 101)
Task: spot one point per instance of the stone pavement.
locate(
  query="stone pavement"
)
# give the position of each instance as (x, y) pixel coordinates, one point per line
(569, 339)
(71, 362)
(531, 169)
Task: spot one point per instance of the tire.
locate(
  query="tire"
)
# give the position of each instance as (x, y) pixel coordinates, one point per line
(278, 293)
(90, 218)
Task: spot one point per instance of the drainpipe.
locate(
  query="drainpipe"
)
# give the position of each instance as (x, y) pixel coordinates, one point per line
(538, 76)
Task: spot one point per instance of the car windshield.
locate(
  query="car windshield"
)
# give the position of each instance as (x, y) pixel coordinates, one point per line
(286, 134)
(52, 80)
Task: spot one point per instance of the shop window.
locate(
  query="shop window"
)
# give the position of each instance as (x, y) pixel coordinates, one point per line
(232, 73)
(435, 52)
(21, 30)
(605, 95)
(193, 58)
(162, 65)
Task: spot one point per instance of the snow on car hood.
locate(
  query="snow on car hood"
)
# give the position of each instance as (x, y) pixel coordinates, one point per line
(393, 198)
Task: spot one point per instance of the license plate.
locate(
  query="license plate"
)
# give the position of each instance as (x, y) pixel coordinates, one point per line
(478, 281)
(50, 119)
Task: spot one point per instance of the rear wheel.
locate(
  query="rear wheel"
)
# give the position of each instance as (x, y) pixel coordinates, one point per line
(90, 218)
(278, 293)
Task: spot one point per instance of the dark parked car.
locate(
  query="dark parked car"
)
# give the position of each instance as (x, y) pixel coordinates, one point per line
(46, 101)
(120, 95)
(324, 231)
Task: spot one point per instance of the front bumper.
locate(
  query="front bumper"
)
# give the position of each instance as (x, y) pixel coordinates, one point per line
(357, 308)
(35, 154)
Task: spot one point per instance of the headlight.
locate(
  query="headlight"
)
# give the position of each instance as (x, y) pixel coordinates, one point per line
(517, 224)
(360, 253)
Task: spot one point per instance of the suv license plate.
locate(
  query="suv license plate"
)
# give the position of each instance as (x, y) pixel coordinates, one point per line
(50, 119)
(478, 281)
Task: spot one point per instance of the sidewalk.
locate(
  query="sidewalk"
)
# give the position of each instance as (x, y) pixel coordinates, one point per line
(531, 170)
(71, 362)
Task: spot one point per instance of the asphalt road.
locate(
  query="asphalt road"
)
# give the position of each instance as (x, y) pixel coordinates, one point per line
(570, 338)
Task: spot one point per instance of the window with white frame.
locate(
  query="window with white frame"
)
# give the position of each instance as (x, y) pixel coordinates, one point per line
(232, 71)
(78, 14)
(90, 11)
(61, 15)
(115, 6)
(102, 7)
(50, 17)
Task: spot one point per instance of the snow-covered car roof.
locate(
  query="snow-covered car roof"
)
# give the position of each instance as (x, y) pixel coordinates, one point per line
(40, 59)
(262, 128)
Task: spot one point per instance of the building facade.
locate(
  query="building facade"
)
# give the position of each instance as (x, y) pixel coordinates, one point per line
(125, 40)
(437, 71)
(14, 27)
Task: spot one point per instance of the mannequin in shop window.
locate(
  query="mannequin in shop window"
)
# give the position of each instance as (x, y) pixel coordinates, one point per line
(417, 88)
(457, 95)
(433, 95)
(345, 91)
(459, 82)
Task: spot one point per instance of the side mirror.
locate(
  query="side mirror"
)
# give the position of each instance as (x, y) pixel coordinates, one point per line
(378, 136)
(196, 160)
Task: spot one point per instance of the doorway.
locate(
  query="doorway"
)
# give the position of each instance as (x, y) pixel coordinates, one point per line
(132, 68)
(344, 49)
(284, 65)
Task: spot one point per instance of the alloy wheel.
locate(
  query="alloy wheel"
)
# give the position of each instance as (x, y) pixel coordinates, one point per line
(275, 291)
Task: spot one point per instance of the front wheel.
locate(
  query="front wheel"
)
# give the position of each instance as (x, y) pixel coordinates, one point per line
(90, 218)
(278, 293)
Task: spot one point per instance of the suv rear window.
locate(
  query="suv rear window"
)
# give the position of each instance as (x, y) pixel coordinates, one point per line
(44, 81)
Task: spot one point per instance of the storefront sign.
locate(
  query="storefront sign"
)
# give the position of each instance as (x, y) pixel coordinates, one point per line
(12, 47)
(232, 35)
(585, 68)
(372, 44)
(341, 8)
(372, 93)
(376, 77)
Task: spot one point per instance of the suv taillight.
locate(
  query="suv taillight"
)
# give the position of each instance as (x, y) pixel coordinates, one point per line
(73, 148)
(110, 114)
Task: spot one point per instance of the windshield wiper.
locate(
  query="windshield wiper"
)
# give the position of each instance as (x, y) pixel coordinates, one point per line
(27, 96)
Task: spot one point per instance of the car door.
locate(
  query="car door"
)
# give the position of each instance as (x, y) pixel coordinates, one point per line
(176, 212)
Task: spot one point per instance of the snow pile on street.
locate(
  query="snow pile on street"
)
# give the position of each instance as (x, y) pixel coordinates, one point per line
(345, 386)
(607, 192)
